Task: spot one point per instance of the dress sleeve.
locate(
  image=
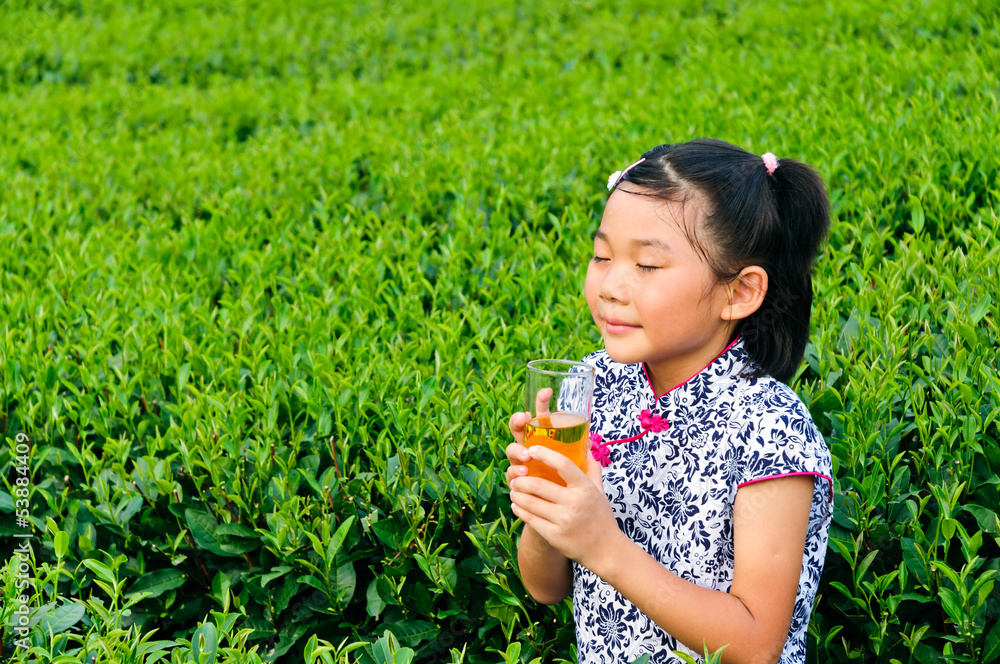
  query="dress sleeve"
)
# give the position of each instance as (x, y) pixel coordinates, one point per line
(778, 438)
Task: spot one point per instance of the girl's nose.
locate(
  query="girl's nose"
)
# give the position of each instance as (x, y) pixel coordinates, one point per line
(614, 287)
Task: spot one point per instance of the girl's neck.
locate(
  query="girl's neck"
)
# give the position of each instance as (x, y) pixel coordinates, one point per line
(668, 375)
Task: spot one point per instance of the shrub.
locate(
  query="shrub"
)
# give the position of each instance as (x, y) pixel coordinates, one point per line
(271, 273)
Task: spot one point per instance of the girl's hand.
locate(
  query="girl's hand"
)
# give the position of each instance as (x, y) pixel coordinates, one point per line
(516, 452)
(576, 519)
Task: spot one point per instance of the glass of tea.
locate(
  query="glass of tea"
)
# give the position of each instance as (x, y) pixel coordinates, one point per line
(558, 395)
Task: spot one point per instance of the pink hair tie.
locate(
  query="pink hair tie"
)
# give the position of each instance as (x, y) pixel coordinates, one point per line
(770, 162)
(617, 176)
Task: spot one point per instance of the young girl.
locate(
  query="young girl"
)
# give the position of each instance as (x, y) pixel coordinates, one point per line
(702, 520)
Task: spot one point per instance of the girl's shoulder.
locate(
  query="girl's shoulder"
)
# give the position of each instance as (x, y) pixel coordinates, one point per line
(767, 396)
(775, 431)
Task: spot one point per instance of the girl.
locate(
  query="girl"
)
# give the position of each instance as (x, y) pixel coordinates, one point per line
(700, 285)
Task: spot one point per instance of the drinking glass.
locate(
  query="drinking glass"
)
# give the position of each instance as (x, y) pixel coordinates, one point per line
(558, 395)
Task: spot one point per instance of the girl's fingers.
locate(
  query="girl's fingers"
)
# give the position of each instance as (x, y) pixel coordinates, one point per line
(515, 472)
(542, 400)
(567, 470)
(516, 425)
(517, 453)
(533, 505)
(537, 486)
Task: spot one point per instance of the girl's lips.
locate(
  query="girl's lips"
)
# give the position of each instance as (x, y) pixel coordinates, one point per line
(615, 326)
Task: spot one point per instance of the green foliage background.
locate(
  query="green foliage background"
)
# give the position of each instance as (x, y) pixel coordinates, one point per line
(270, 273)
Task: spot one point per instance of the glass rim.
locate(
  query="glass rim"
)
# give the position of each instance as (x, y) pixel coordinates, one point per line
(535, 366)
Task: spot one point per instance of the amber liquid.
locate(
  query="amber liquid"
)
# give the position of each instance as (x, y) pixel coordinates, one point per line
(566, 433)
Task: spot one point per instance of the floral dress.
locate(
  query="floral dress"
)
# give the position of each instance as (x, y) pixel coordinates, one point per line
(673, 465)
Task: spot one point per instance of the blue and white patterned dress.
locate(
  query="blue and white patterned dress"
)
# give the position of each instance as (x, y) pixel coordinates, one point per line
(672, 480)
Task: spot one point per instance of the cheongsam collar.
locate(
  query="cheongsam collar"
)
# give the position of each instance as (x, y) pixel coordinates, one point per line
(702, 389)
(706, 384)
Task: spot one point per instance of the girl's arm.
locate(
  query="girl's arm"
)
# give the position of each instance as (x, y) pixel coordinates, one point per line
(547, 574)
(770, 520)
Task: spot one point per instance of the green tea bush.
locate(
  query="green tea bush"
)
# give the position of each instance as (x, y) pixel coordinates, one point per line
(271, 273)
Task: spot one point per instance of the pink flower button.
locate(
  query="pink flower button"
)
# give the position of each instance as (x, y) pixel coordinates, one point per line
(654, 423)
(599, 449)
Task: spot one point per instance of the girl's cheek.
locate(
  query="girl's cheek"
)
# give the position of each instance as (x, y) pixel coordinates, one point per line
(592, 289)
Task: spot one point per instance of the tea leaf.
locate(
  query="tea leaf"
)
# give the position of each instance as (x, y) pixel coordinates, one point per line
(203, 526)
(101, 570)
(61, 618)
(991, 650)
(158, 582)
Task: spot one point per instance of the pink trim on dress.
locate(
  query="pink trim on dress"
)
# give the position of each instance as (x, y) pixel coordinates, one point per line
(629, 439)
(774, 477)
(657, 398)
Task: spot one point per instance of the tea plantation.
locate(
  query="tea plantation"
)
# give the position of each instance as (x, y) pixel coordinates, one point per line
(271, 272)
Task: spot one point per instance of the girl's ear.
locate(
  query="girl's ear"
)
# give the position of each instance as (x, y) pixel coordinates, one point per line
(746, 293)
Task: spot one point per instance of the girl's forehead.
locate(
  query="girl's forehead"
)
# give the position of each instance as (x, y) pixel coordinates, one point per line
(628, 214)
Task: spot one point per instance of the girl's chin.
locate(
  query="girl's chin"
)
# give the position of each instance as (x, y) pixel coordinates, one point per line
(620, 355)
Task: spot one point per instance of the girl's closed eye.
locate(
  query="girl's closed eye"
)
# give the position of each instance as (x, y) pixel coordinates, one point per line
(598, 259)
(648, 268)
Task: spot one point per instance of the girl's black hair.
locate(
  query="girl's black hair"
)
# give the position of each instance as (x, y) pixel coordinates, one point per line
(747, 218)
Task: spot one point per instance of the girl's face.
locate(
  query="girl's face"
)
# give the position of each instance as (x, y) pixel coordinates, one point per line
(652, 296)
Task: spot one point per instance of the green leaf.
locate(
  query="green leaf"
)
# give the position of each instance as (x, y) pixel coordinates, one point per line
(236, 530)
(948, 528)
(271, 576)
(311, 580)
(981, 308)
(288, 639)
(968, 334)
(513, 653)
(182, 376)
(914, 560)
(375, 604)
(390, 532)
(205, 644)
(101, 570)
(311, 645)
(338, 540)
(952, 604)
(158, 582)
(991, 650)
(414, 632)
(346, 582)
(220, 589)
(203, 528)
(288, 591)
(986, 518)
(386, 650)
(642, 660)
(828, 400)
(127, 509)
(859, 574)
(847, 593)
(923, 599)
(60, 543)
(238, 546)
(61, 618)
(500, 610)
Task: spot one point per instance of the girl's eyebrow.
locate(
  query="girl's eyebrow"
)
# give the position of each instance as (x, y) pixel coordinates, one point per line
(638, 242)
(652, 242)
